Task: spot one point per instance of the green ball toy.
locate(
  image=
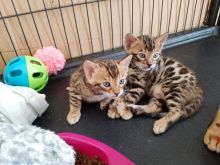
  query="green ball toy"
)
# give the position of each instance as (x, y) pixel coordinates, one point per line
(26, 71)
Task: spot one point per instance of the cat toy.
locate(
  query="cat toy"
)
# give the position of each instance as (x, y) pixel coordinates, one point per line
(26, 71)
(53, 59)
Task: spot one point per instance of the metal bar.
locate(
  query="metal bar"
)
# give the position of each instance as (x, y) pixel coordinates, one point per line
(201, 9)
(192, 20)
(161, 17)
(2, 58)
(53, 8)
(142, 19)
(122, 23)
(132, 17)
(34, 23)
(89, 26)
(111, 23)
(168, 29)
(77, 30)
(152, 20)
(205, 21)
(213, 12)
(49, 24)
(61, 13)
(9, 35)
(21, 26)
(178, 17)
(187, 10)
(100, 25)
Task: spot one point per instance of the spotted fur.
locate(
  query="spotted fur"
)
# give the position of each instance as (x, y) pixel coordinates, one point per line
(99, 81)
(164, 79)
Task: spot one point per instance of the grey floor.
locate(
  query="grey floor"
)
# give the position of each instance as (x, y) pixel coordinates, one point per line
(181, 145)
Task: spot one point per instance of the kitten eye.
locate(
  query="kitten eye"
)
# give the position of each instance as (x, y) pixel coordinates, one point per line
(106, 84)
(156, 55)
(142, 55)
(122, 81)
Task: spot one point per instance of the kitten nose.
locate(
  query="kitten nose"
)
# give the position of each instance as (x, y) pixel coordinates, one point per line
(116, 93)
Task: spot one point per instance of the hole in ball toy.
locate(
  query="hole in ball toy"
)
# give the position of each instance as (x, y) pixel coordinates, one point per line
(14, 61)
(15, 73)
(35, 62)
(37, 75)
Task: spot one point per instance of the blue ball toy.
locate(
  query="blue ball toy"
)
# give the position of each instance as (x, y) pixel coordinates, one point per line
(26, 71)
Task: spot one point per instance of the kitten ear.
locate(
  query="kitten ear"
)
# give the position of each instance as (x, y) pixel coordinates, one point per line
(161, 40)
(125, 62)
(129, 40)
(89, 68)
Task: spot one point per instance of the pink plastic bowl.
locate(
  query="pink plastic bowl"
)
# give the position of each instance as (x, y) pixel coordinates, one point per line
(93, 148)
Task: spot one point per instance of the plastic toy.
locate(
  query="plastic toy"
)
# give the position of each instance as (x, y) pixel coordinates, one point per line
(93, 148)
(26, 71)
(53, 59)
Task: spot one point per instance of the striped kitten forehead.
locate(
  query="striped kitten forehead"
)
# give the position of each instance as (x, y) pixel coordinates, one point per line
(149, 42)
(111, 67)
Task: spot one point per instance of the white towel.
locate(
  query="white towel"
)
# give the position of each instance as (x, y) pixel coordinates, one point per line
(21, 105)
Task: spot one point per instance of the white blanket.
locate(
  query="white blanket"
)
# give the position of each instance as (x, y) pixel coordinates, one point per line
(20, 105)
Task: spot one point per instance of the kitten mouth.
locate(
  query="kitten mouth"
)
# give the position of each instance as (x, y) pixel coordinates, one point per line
(146, 68)
(149, 67)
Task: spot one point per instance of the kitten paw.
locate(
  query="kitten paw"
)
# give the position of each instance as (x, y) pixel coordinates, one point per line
(135, 109)
(126, 114)
(113, 114)
(160, 126)
(103, 105)
(212, 137)
(123, 111)
(73, 118)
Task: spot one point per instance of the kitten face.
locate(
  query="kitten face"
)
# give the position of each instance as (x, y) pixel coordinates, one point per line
(145, 50)
(107, 77)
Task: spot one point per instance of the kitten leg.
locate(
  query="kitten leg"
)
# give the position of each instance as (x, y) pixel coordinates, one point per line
(75, 106)
(212, 136)
(161, 125)
(105, 103)
(154, 106)
(173, 101)
(132, 96)
(112, 112)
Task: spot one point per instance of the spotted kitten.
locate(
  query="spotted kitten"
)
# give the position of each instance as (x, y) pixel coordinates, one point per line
(99, 81)
(164, 79)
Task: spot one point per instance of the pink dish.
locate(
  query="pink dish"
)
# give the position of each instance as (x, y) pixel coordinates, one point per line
(92, 147)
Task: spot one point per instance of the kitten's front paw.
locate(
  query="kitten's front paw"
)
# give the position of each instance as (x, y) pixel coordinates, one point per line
(113, 114)
(135, 109)
(123, 110)
(160, 126)
(103, 105)
(73, 118)
(126, 114)
(212, 137)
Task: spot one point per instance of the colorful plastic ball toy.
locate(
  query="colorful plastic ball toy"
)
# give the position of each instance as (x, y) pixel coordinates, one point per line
(26, 71)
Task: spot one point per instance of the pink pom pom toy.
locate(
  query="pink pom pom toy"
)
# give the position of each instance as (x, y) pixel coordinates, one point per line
(53, 59)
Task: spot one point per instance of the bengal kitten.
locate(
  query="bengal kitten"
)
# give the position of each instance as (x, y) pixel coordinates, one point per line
(164, 79)
(99, 81)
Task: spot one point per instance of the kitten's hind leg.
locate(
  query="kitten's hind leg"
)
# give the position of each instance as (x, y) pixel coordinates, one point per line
(174, 114)
(75, 107)
(175, 111)
(154, 106)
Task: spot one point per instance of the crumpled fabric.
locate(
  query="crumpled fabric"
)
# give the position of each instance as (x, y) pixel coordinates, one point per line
(20, 105)
(30, 145)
